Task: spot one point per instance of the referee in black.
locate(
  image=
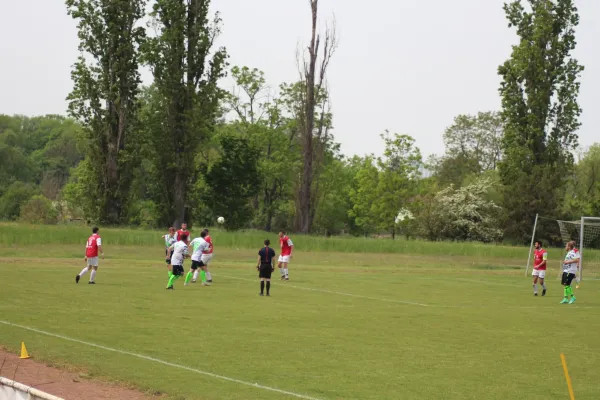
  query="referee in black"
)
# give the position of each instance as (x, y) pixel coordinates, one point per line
(265, 266)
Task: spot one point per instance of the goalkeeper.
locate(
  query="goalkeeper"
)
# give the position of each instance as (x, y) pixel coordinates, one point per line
(569, 269)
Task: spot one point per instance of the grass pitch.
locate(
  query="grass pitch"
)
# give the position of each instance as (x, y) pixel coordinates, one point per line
(346, 326)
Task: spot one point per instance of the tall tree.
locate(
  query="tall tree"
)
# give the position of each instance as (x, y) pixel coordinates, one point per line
(104, 96)
(186, 70)
(313, 75)
(540, 85)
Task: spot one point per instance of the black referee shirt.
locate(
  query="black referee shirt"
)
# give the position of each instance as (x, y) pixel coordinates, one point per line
(266, 255)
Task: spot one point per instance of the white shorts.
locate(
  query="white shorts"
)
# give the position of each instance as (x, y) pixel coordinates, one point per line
(284, 259)
(93, 261)
(539, 272)
(206, 258)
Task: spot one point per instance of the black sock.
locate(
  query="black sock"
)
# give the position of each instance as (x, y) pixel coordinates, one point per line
(262, 286)
(268, 286)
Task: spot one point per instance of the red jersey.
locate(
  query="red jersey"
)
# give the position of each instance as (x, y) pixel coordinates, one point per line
(181, 232)
(208, 240)
(286, 246)
(91, 248)
(540, 256)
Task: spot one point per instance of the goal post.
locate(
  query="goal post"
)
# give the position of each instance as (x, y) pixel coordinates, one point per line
(585, 232)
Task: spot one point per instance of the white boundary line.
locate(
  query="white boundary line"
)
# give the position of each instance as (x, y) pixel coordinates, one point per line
(156, 360)
(396, 301)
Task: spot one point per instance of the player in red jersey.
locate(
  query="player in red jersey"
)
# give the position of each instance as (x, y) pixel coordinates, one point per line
(92, 248)
(206, 258)
(183, 231)
(539, 267)
(286, 253)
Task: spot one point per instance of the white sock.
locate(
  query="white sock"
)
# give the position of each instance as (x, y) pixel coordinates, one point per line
(285, 270)
(544, 286)
(208, 276)
(92, 276)
(83, 271)
(195, 277)
(535, 288)
(282, 271)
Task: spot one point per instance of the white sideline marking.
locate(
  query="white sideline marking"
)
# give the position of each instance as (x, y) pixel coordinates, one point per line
(411, 303)
(224, 378)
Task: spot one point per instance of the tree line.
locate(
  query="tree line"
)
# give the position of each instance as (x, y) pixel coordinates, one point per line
(185, 149)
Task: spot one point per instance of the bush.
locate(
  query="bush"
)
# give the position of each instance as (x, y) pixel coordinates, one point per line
(16, 195)
(39, 210)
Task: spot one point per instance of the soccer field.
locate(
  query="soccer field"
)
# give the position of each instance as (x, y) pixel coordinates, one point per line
(346, 326)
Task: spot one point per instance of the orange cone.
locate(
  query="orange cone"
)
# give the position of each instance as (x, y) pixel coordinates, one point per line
(24, 353)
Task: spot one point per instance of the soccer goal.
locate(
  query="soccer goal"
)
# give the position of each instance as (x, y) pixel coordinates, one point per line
(586, 235)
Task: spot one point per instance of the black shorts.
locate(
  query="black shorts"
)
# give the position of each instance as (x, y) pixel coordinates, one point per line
(197, 264)
(177, 269)
(168, 261)
(567, 279)
(265, 271)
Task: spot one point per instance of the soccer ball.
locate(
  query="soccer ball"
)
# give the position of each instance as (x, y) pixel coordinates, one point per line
(221, 220)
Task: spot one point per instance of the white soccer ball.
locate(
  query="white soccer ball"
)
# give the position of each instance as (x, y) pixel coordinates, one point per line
(221, 220)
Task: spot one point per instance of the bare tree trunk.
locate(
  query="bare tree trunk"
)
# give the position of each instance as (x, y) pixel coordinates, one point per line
(313, 87)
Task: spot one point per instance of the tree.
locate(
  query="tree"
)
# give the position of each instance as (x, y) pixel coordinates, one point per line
(104, 96)
(186, 70)
(465, 214)
(582, 196)
(259, 116)
(397, 180)
(540, 85)
(232, 182)
(364, 194)
(12, 199)
(313, 82)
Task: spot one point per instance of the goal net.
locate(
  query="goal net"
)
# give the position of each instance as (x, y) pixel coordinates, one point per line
(586, 235)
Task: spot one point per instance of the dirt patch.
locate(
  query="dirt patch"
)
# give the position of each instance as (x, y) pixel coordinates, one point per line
(68, 385)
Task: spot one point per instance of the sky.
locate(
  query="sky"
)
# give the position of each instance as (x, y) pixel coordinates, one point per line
(408, 66)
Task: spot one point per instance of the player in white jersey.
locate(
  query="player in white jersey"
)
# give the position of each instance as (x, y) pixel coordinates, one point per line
(170, 239)
(198, 246)
(177, 252)
(570, 266)
(206, 258)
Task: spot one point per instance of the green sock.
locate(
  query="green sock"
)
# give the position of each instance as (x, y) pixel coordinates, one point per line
(188, 277)
(569, 291)
(203, 275)
(170, 273)
(172, 280)
(566, 291)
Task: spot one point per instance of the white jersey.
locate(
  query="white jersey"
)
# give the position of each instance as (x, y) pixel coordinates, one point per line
(179, 250)
(169, 240)
(199, 245)
(571, 268)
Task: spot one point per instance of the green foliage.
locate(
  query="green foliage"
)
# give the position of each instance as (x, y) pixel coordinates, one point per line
(104, 97)
(364, 194)
(539, 100)
(465, 214)
(38, 210)
(12, 199)
(185, 106)
(232, 182)
(583, 190)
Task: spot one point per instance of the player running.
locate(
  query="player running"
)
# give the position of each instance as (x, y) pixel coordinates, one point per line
(92, 248)
(286, 253)
(539, 267)
(169, 239)
(206, 257)
(199, 246)
(177, 252)
(265, 267)
(569, 269)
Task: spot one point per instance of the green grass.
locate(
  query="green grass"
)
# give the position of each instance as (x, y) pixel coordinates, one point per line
(19, 234)
(342, 328)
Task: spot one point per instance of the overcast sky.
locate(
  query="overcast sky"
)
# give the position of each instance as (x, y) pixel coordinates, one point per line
(409, 66)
